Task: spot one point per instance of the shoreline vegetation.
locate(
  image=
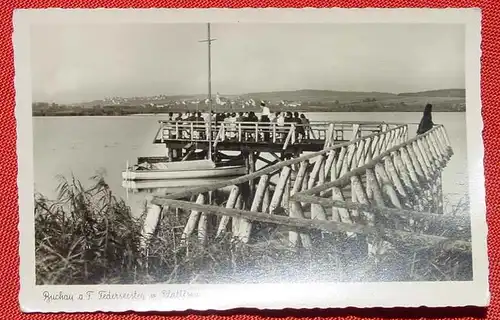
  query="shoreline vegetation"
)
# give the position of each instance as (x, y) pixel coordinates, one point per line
(450, 100)
(89, 236)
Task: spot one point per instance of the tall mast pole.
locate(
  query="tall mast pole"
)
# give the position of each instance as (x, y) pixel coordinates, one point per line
(209, 42)
(209, 92)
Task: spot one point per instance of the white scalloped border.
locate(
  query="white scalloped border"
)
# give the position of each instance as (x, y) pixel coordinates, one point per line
(261, 296)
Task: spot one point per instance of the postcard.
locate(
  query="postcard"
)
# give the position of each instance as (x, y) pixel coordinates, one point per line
(249, 158)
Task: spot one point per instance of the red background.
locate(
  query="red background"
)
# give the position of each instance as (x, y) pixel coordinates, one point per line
(490, 81)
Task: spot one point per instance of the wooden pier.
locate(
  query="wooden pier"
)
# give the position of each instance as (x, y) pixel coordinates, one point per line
(253, 138)
(382, 187)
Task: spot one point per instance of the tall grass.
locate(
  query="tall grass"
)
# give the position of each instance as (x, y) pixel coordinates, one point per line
(85, 236)
(89, 236)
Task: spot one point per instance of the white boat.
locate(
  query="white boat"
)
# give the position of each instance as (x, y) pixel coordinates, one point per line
(154, 169)
(169, 186)
(195, 169)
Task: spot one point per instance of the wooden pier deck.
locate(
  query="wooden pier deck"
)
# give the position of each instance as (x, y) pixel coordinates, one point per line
(290, 138)
(349, 187)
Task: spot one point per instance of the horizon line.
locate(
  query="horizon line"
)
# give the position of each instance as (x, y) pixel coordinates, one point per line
(256, 92)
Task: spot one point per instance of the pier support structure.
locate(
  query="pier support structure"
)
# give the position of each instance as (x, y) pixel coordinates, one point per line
(376, 188)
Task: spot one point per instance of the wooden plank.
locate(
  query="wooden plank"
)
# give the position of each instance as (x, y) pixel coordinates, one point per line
(329, 226)
(462, 222)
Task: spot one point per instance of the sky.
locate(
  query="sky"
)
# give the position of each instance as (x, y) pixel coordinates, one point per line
(77, 63)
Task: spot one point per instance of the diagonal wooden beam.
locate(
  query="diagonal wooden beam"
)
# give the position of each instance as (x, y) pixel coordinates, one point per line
(329, 226)
(455, 221)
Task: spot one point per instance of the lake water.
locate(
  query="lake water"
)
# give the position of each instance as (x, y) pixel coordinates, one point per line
(84, 146)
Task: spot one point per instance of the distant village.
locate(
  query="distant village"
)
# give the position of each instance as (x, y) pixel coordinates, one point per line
(360, 102)
(163, 101)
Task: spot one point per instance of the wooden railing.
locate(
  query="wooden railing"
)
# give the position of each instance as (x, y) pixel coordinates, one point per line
(360, 149)
(286, 134)
(382, 185)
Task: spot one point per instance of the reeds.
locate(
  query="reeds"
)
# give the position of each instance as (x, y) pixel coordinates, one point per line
(85, 236)
(89, 236)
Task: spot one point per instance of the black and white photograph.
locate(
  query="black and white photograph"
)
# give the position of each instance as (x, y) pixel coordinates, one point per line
(208, 159)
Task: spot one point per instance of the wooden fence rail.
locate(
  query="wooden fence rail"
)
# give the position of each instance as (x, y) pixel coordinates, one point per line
(266, 131)
(381, 179)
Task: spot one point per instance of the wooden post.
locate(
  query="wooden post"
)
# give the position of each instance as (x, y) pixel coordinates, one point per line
(375, 189)
(321, 173)
(340, 160)
(445, 136)
(382, 143)
(343, 213)
(358, 156)
(299, 179)
(393, 138)
(235, 222)
(411, 166)
(432, 151)
(193, 219)
(328, 136)
(424, 164)
(354, 213)
(278, 191)
(251, 163)
(439, 194)
(437, 144)
(150, 224)
(374, 147)
(366, 152)
(202, 229)
(296, 212)
(405, 172)
(387, 185)
(361, 197)
(315, 172)
(266, 201)
(391, 170)
(285, 201)
(329, 162)
(231, 201)
(346, 165)
(305, 181)
(440, 135)
(245, 225)
(335, 211)
(355, 131)
(317, 211)
(357, 188)
(425, 155)
(412, 194)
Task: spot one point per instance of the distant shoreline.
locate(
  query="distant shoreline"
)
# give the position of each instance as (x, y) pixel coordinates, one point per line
(156, 111)
(160, 113)
(446, 100)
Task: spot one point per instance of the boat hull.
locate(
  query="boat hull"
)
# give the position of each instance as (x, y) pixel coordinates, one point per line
(217, 172)
(168, 186)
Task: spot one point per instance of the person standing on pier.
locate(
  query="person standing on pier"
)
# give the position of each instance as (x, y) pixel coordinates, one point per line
(306, 125)
(299, 133)
(265, 127)
(265, 110)
(426, 123)
(264, 117)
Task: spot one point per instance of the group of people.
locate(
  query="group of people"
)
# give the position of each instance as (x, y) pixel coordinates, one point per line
(268, 124)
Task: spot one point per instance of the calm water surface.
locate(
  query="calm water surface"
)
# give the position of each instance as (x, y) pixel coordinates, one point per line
(84, 146)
